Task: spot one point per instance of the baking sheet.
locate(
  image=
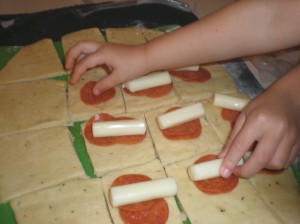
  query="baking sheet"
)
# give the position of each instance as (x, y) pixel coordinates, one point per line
(15, 37)
(24, 29)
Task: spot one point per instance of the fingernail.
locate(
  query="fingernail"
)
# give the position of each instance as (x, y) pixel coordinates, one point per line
(225, 172)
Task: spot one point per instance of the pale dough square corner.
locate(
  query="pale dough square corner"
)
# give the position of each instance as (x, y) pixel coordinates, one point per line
(79, 111)
(220, 82)
(281, 193)
(174, 150)
(242, 205)
(152, 169)
(33, 62)
(119, 156)
(91, 34)
(76, 202)
(130, 35)
(32, 105)
(35, 160)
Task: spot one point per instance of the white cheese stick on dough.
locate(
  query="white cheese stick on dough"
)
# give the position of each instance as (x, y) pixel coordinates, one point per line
(151, 80)
(207, 170)
(119, 128)
(142, 191)
(180, 116)
(230, 102)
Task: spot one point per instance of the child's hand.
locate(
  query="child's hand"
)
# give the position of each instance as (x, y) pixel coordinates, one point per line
(273, 120)
(123, 63)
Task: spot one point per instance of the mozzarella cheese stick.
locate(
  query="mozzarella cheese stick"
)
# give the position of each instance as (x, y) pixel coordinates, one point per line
(151, 80)
(180, 116)
(119, 128)
(247, 155)
(142, 191)
(207, 170)
(229, 102)
(189, 68)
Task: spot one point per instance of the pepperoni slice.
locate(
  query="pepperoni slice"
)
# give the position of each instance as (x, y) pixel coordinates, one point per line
(158, 214)
(149, 212)
(230, 115)
(154, 92)
(202, 75)
(106, 141)
(187, 130)
(215, 185)
(87, 96)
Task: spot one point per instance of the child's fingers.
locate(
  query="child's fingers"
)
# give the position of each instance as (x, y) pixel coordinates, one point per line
(281, 155)
(81, 48)
(238, 147)
(260, 157)
(90, 61)
(105, 84)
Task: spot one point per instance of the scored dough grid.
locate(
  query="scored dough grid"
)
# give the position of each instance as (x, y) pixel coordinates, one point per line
(258, 200)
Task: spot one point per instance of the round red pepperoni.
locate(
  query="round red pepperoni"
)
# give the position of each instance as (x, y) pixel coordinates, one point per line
(149, 212)
(202, 75)
(105, 141)
(154, 92)
(157, 214)
(230, 115)
(87, 96)
(215, 185)
(187, 130)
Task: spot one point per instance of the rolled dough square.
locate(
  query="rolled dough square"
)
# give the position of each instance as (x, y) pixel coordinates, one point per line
(36, 160)
(79, 111)
(76, 202)
(152, 169)
(32, 62)
(32, 105)
(281, 193)
(241, 205)
(220, 82)
(170, 151)
(119, 156)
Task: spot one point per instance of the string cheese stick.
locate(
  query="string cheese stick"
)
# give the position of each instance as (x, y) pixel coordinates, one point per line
(247, 155)
(229, 102)
(207, 170)
(180, 116)
(119, 128)
(151, 80)
(142, 191)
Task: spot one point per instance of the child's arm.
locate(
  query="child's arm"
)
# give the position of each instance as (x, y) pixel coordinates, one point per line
(244, 28)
